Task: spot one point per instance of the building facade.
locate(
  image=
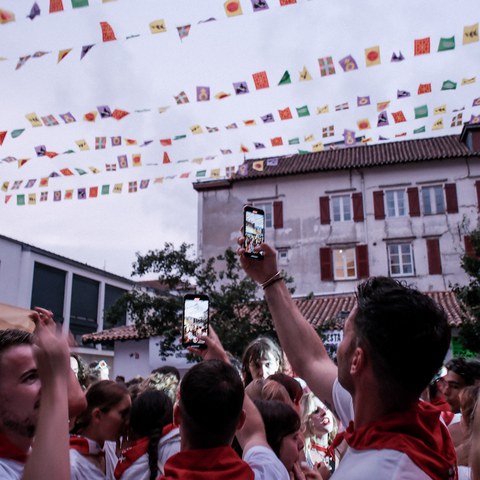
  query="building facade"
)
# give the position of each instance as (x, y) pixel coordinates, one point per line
(76, 293)
(401, 209)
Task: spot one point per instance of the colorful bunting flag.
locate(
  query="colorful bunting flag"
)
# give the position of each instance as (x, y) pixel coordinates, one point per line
(468, 81)
(166, 158)
(421, 111)
(132, 187)
(105, 189)
(309, 138)
(57, 196)
(399, 117)
(284, 3)
(240, 88)
(321, 110)
(22, 61)
(457, 120)
(362, 101)
(446, 44)
(449, 85)
(122, 161)
(2, 136)
(183, 31)
(56, 6)
(85, 50)
(342, 106)
(259, 5)
(424, 88)
(474, 119)
(317, 147)
(32, 199)
(233, 8)
(93, 192)
(470, 34)
(328, 131)
(268, 118)
(402, 94)
(326, 66)
(68, 194)
(6, 16)
(116, 141)
(249, 123)
(258, 165)
(285, 78)
(438, 125)
(34, 11)
(294, 141)
(285, 114)
(397, 58)
(440, 110)
(258, 145)
(82, 193)
(422, 46)
(261, 80)
(304, 75)
(363, 124)
(144, 184)
(348, 63)
(158, 26)
(79, 3)
(303, 111)
(117, 188)
(100, 143)
(137, 160)
(90, 116)
(62, 54)
(276, 142)
(382, 119)
(118, 114)
(382, 105)
(196, 129)
(222, 95)
(203, 94)
(372, 56)
(349, 137)
(82, 145)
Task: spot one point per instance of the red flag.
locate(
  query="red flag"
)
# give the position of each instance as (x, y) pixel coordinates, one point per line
(166, 158)
(107, 32)
(285, 114)
(261, 80)
(93, 192)
(119, 114)
(166, 142)
(56, 6)
(2, 136)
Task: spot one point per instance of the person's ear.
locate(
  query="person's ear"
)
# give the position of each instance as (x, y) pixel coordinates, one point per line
(96, 414)
(177, 414)
(359, 361)
(241, 419)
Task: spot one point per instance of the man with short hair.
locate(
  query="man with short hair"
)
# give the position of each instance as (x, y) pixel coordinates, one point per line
(460, 374)
(211, 409)
(394, 342)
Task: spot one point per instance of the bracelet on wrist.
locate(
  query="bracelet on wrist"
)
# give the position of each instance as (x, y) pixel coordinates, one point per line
(275, 278)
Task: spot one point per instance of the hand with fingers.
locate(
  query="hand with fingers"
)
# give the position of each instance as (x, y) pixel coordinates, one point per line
(214, 349)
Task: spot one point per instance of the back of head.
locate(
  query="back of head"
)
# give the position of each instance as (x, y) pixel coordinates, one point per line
(273, 390)
(103, 395)
(166, 382)
(405, 333)
(211, 400)
(463, 368)
(280, 420)
(151, 411)
(292, 386)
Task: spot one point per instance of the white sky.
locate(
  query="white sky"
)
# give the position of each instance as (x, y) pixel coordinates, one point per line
(147, 71)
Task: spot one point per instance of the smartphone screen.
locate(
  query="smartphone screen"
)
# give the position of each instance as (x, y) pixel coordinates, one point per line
(253, 230)
(195, 320)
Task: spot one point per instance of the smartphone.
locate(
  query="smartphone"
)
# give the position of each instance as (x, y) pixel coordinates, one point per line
(195, 320)
(253, 230)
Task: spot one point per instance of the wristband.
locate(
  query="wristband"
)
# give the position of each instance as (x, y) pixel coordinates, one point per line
(278, 276)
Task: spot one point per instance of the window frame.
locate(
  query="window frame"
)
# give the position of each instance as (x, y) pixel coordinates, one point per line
(396, 203)
(267, 207)
(345, 201)
(401, 264)
(344, 266)
(434, 189)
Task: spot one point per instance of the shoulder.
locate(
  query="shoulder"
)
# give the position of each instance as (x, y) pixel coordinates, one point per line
(343, 403)
(265, 464)
(10, 469)
(379, 464)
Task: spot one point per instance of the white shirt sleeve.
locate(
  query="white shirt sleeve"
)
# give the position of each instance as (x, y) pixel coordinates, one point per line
(265, 464)
(343, 403)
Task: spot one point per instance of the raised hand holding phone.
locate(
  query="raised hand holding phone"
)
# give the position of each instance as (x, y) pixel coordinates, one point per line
(195, 320)
(254, 231)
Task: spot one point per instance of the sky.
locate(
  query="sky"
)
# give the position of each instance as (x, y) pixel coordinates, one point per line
(141, 73)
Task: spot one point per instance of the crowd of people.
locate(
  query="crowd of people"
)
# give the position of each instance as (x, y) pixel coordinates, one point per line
(390, 408)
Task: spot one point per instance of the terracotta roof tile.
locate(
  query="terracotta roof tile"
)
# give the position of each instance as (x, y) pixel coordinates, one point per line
(317, 310)
(380, 154)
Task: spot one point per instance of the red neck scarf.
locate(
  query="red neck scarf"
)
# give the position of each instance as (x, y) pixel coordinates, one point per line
(208, 464)
(10, 451)
(131, 454)
(418, 433)
(85, 446)
(445, 409)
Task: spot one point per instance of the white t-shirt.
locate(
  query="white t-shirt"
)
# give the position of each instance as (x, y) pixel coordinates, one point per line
(83, 469)
(167, 446)
(384, 464)
(10, 469)
(265, 464)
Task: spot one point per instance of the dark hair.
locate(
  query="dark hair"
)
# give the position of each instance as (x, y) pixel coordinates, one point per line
(292, 386)
(405, 333)
(211, 400)
(13, 338)
(150, 412)
(168, 369)
(279, 419)
(463, 368)
(104, 395)
(256, 351)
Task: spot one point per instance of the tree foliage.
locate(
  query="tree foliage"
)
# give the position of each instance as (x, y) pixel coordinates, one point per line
(236, 312)
(470, 296)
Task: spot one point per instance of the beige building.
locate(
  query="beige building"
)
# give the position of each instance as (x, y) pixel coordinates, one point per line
(402, 209)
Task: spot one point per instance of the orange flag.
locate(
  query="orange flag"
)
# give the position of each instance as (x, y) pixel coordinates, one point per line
(107, 32)
(166, 158)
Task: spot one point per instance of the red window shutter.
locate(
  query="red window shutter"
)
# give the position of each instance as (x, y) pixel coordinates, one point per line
(413, 202)
(434, 258)
(326, 264)
(451, 196)
(362, 261)
(378, 205)
(357, 202)
(324, 210)
(469, 251)
(277, 214)
(477, 187)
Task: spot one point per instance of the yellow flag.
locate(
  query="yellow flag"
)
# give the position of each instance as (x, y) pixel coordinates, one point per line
(304, 75)
(196, 129)
(372, 56)
(468, 81)
(440, 110)
(309, 138)
(158, 26)
(215, 173)
(381, 106)
(323, 109)
(94, 169)
(317, 147)
(5, 186)
(117, 188)
(438, 125)
(162, 109)
(470, 33)
(233, 8)
(62, 54)
(32, 198)
(82, 144)
(33, 119)
(198, 160)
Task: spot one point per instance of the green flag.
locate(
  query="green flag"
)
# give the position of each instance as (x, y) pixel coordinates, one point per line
(105, 189)
(17, 133)
(419, 130)
(80, 171)
(446, 44)
(179, 137)
(79, 3)
(20, 199)
(449, 85)
(285, 79)
(201, 173)
(294, 141)
(303, 152)
(421, 112)
(303, 111)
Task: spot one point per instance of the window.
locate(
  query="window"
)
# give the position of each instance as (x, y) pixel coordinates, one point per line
(48, 289)
(83, 312)
(268, 209)
(396, 203)
(112, 295)
(283, 256)
(400, 259)
(344, 265)
(341, 208)
(433, 200)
